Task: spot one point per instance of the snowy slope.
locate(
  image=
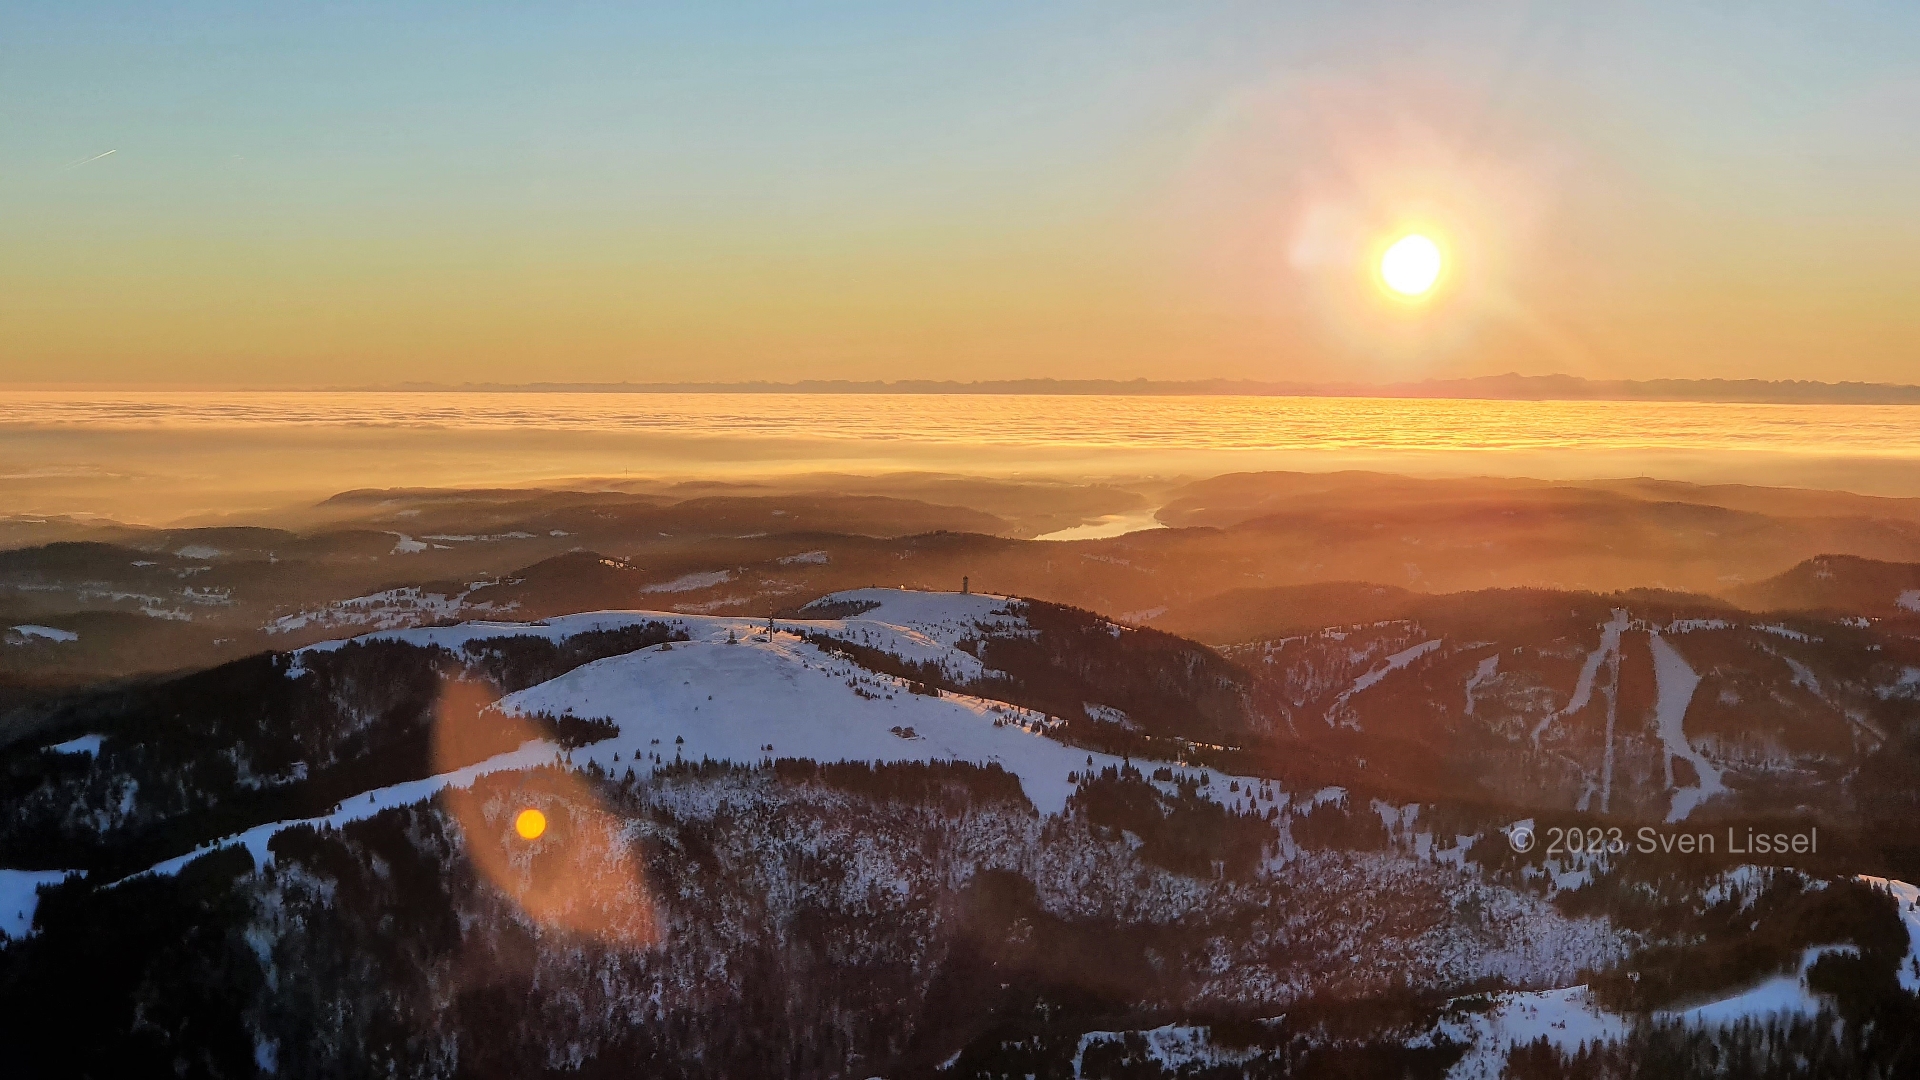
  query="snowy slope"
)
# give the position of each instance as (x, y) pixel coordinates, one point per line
(367, 804)
(557, 629)
(47, 633)
(1780, 995)
(1583, 685)
(732, 702)
(1172, 1047)
(1675, 683)
(736, 692)
(85, 744)
(916, 626)
(1373, 676)
(1568, 1018)
(940, 616)
(20, 897)
(1908, 897)
(393, 607)
(922, 626)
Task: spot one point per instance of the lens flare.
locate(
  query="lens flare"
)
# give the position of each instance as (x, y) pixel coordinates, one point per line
(585, 876)
(1411, 265)
(530, 823)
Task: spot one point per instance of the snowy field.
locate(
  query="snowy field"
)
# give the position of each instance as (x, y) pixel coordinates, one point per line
(780, 696)
(739, 693)
(20, 897)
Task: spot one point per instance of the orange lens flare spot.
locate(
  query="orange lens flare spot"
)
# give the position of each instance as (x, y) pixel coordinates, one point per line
(530, 823)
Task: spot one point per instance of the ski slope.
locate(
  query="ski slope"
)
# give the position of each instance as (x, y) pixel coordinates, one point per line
(1583, 685)
(1674, 684)
(1487, 670)
(1380, 671)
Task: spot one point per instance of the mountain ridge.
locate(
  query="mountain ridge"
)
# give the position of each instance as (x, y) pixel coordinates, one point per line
(1509, 386)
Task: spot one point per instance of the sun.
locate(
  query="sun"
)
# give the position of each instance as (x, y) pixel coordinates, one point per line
(1411, 265)
(530, 823)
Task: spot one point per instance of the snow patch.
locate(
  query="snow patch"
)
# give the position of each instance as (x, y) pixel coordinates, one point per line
(462, 538)
(1568, 1018)
(556, 629)
(1908, 897)
(690, 582)
(85, 744)
(20, 898)
(1781, 995)
(49, 633)
(1742, 883)
(1803, 676)
(385, 610)
(1487, 669)
(366, 805)
(1175, 1048)
(1389, 666)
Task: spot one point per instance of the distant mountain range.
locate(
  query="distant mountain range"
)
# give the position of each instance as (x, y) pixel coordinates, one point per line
(1509, 387)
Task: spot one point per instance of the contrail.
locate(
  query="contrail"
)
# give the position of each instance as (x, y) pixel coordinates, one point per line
(83, 161)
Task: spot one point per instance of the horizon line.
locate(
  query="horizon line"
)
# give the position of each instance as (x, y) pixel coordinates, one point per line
(1510, 386)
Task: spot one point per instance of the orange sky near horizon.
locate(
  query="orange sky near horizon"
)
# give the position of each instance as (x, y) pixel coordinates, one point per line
(325, 199)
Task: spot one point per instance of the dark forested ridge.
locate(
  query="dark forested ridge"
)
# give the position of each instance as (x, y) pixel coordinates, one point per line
(275, 736)
(819, 919)
(1116, 687)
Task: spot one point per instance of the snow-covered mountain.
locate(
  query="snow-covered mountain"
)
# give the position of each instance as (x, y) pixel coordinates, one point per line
(1645, 704)
(933, 833)
(749, 692)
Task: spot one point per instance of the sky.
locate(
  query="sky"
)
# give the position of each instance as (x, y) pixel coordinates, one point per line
(339, 194)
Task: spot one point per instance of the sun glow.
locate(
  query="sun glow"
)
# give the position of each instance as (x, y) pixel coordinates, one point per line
(1411, 265)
